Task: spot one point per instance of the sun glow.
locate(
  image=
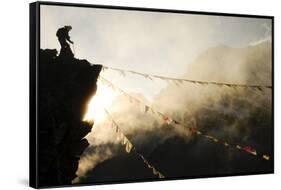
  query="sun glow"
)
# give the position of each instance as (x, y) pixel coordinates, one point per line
(101, 100)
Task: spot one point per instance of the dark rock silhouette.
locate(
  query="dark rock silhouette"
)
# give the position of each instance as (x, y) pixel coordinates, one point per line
(66, 85)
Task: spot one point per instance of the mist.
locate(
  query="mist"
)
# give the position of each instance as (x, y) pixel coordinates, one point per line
(236, 115)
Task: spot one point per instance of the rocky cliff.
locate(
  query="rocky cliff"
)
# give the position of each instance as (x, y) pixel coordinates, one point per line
(65, 86)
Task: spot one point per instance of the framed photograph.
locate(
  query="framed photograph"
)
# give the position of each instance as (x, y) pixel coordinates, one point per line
(126, 94)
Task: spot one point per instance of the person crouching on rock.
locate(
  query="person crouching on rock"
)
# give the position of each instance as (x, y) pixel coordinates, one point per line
(64, 38)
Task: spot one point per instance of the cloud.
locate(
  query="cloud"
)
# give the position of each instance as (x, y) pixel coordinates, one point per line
(91, 158)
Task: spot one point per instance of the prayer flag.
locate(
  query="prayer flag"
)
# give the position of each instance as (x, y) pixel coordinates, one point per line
(124, 140)
(129, 147)
(146, 108)
(250, 150)
(176, 122)
(155, 172)
(161, 176)
(265, 157)
(216, 140)
(237, 146)
(167, 120)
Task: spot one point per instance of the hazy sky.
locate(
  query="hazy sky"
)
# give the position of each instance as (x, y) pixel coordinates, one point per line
(150, 42)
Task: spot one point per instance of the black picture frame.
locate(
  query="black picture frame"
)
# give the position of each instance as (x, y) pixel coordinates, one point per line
(34, 33)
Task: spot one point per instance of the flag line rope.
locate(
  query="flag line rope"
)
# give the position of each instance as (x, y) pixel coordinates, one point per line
(130, 147)
(180, 80)
(169, 120)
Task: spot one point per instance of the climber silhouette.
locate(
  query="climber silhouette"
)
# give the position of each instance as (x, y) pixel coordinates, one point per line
(64, 38)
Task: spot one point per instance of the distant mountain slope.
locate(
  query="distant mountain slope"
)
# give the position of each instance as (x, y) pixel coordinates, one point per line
(247, 65)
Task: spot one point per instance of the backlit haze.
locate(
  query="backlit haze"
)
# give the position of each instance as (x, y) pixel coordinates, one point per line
(167, 44)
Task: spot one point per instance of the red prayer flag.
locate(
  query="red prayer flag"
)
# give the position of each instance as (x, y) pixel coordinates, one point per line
(249, 150)
(167, 119)
(193, 130)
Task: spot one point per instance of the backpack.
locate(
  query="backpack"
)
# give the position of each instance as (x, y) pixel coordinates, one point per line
(61, 33)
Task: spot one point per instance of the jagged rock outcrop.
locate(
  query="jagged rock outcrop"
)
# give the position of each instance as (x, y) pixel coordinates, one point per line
(65, 87)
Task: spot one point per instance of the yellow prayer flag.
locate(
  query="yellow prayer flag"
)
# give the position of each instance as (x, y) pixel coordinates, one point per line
(266, 157)
(160, 175)
(129, 147)
(155, 172)
(124, 140)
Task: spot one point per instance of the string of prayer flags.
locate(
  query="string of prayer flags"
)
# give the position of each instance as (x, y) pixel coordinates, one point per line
(178, 81)
(247, 149)
(193, 130)
(129, 146)
(124, 140)
(131, 98)
(154, 170)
